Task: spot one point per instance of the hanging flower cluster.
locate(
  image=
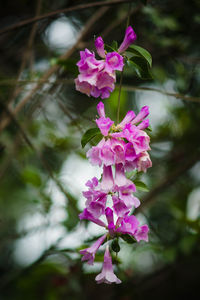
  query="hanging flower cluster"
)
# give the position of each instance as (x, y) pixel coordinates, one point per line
(97, 77)
(123, 148)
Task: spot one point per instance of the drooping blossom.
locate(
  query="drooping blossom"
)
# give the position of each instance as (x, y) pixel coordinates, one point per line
(107, 275)
(123, 148)
(89, 253)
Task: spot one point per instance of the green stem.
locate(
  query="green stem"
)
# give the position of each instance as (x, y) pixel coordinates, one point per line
(128, 17)
(120, 84)
(118, 104)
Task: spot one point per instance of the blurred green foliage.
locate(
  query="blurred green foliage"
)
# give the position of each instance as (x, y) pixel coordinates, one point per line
(40, 141)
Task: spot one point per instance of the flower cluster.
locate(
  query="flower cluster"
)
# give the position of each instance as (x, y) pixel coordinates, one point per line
(97, 77)
(109, 201)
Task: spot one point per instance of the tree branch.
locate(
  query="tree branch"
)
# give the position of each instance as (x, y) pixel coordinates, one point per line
(55, 68)
(176, 95)
(64, 10)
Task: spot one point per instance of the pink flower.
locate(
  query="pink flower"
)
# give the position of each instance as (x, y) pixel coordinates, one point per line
(86, 215)
(107, 275)
(144, 162)
(88, 63)
(130, 225)
(99, 44)
(89, 253)
(97, 207)
(119, 206)
(130, 37)
(107, 155)
(110, 220)
(107, 182)
(139, 139)
(144, 112)
(127, 119)
(114, 61)
(101, 109)
(142, 233)
(144, 124)
(120, 177)
(94, 78)
(104, 125)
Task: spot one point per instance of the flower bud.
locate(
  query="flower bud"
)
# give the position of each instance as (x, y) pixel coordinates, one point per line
(130, 37)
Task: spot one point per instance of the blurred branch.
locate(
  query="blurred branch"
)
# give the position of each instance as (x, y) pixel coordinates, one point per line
(26, 53)
(40, 156)
(169, 180)
(118, 21)
(61, 11)
(175, 95)
(125, 87)
(55, 68)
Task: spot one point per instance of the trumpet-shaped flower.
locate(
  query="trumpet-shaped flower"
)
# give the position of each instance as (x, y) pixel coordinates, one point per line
(89, 253)
(130, 37)
(107, 275)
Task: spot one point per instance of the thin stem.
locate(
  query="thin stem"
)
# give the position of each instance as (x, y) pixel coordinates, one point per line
(118, 105)
(129, 13)
(120, 84)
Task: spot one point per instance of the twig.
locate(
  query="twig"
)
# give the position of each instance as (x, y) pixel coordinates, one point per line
(64, 10)
(118, 104)
(55, 68)
(13, 81)
(118, 21)
(176, 95)
(25, 57)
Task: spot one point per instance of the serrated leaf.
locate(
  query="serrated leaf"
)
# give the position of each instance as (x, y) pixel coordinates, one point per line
(141, 186)
(140, 67)
(115, 245)
(139, 51)
(89, 135)
(128, 238)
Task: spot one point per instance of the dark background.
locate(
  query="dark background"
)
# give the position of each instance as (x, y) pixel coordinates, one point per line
(43, 167)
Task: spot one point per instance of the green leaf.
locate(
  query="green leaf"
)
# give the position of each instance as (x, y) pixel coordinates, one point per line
(109, 48)
(31, 175)
(141, 52)
(89, 135)
(128, 238)
(114, 45)
(115, 245)
(148, 128)
(141, 186)
(140, 67)
(68, 64)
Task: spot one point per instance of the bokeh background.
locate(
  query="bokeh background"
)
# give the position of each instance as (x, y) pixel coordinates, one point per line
(43, 167)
